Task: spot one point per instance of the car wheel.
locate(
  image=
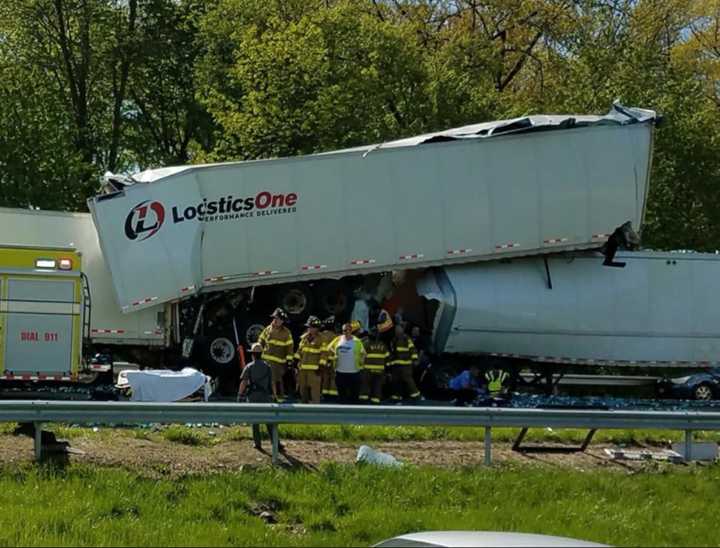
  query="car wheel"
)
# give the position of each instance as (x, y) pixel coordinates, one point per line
(703, 392)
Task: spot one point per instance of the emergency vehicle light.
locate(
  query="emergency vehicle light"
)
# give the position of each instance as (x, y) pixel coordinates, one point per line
(45, 263)
(65, 264)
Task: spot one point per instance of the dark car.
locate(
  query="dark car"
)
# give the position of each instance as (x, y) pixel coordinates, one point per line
(704, 385)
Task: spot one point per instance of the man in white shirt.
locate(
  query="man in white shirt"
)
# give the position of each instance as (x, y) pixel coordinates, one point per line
(348, 354)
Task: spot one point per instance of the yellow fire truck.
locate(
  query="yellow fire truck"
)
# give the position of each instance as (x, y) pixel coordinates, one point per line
(44, 314)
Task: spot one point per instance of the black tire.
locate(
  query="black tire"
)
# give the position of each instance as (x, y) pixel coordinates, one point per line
(251, 333)
(703, 392)
(221, 351)
(222, 362)
(334, 297)
(296, 300)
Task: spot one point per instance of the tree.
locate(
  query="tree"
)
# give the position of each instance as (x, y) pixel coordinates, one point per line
(116, 76)
(329, 78)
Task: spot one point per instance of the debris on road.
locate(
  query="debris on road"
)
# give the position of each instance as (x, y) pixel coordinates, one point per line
(664, 455)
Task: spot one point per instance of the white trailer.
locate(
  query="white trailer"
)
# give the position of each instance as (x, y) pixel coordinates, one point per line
(661, 309)
(527, 186)
(25, 227)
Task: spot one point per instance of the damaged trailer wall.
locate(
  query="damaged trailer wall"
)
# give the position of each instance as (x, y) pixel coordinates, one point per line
(520, 187)
(660, 309)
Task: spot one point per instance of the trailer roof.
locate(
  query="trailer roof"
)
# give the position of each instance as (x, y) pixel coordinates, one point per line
(618, 115)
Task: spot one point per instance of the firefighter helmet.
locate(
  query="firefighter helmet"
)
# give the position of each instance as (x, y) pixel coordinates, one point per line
(385, 322)
(280, 314)
(313, 321)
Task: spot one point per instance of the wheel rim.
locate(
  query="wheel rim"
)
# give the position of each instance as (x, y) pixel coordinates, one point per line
(703, 392)
(222, 350)
(295, 302)
(252, 333)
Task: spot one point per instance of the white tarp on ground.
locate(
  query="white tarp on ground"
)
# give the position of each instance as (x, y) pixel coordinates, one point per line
(163, 385)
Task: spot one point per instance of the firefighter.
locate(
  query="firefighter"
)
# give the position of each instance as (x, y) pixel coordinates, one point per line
(311, 361)
(278, 350)
(376, 359)
(403, 357)
(328, 334)
(496, 381)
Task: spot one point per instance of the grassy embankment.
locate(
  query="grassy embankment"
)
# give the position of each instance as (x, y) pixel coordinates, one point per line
(207, 436)
(344, 505)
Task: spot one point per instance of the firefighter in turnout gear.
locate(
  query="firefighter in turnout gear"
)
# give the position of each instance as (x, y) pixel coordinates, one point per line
(311, 357)
(496, 381)
(278, 350)
(403, 356)
(376, 358)
(328, 334)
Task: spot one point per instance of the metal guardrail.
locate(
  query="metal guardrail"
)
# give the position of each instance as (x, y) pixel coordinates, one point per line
(39, 412)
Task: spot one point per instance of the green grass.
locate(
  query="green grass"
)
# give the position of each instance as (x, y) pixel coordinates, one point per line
(345, 505)
(207, 436)
(362, 434)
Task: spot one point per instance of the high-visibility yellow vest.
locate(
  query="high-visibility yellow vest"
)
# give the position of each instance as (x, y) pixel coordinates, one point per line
(496, 379)
(376, 356)
(359, 351)
(310, 353)
(277, 344)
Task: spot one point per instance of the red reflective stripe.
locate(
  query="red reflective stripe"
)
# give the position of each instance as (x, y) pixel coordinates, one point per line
(556, 240)
(362, 261)
(411, 256)
(145, 301)
(267, 272)
(313, 267)
(459, 251)
(509, 245)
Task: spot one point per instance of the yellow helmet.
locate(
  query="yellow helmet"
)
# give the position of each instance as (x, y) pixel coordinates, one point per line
(356, 326)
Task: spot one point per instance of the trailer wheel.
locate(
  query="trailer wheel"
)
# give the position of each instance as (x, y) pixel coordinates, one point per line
(296, 300)
(252, 333)
(333, 298)
(221, 351)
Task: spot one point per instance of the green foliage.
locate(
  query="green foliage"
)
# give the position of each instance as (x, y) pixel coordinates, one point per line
(354, 506)
(94, 85)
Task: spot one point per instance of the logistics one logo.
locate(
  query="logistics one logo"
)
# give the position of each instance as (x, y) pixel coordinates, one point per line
(144, 220)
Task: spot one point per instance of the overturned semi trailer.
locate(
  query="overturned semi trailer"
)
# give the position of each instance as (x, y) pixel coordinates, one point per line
(659, 310)
(527, 186)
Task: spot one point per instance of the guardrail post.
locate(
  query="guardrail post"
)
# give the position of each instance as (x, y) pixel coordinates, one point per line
(688, 445)
(275, 445)
(38, 441)
(488, 446)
